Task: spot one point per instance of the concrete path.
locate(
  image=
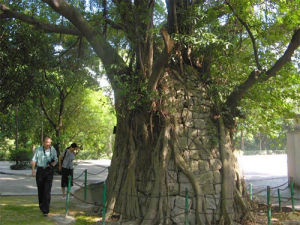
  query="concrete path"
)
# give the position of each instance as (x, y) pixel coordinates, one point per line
(259, 170)
(268, 170)
(21, 182)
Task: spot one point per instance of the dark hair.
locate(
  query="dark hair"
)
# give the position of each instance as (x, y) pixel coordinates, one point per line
(73, 145)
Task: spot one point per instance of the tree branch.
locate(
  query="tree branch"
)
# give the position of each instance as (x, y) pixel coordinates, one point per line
(46, 113)
(250, 34)
(62, 98)
(114, 25)
(110, 58)
(69, 48)
(104, 5)
(48, 28)
(172, 16)
(293, 45)
(160, 64)
(258, 76)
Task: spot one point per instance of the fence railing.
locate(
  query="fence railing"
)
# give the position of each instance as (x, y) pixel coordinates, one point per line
(186, 210)
(270, 195)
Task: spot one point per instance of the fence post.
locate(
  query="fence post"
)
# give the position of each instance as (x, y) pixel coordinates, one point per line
(68, 195)
(279, 200)
(186, 207)
(269, 205)
(85, 183)
(292, 194)
(104, 203)
(251, 192)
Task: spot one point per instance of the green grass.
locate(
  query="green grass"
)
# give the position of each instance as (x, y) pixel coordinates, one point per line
(24, 210)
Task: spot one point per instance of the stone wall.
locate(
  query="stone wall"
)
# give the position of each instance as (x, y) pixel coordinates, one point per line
(198, 144)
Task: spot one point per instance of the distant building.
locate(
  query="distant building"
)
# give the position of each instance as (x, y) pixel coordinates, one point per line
(293, 151)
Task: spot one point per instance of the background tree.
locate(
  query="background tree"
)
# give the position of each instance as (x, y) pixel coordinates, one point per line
(54, 89)
(22, 54)
(177, 97)
(38, 75)
(93, 126)
(268, 114)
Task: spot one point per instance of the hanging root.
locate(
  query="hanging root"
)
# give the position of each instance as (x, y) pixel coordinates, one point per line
(225, 218)
(227, 176)
(130, 205)
(183, 166)
(242, 207)
(123, 183)
(160, 165)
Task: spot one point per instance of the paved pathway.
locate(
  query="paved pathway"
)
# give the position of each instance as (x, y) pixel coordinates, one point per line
(268, 170)
(259, 170)
(21, 182)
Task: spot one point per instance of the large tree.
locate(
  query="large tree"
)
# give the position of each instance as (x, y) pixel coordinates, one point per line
(177, 96)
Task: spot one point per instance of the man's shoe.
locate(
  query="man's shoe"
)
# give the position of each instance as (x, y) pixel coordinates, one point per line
(45, 214)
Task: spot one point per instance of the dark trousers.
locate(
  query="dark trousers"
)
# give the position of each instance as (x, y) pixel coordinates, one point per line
(65, 173)
(44, 178)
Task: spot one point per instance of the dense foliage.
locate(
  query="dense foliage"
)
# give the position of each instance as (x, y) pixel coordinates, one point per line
(35, 65)
(49, 86)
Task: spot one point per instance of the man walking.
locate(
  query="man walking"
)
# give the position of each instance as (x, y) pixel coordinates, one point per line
(45, 158)
(66, 166)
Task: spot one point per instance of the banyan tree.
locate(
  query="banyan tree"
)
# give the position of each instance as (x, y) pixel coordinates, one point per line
(179, 70)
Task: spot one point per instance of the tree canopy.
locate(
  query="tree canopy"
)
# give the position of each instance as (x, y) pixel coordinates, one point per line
(47, 81)
(250, 40)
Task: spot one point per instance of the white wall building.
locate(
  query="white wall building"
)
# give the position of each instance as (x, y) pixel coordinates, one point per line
(293, 152)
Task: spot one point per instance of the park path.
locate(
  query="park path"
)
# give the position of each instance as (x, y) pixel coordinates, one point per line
(268, 170)
(21, 182)
(259, 170)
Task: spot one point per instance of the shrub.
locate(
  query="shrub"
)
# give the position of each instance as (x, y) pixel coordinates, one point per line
(20, 155)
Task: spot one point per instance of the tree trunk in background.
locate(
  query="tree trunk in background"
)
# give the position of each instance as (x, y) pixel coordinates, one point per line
(263, 142)
(242, 141)
(42, 127)
(57, 144)
(180, 146)
(17, 127)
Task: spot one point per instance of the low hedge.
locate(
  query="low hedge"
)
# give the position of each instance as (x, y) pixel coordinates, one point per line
(263, 152)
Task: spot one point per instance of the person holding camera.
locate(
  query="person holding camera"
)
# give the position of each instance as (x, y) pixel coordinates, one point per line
(45, 158)
(66, 166)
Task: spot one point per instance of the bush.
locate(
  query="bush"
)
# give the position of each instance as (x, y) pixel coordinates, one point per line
(2, 156)
(6, 146)
(21, 165)
(20, 155)
(264, 152)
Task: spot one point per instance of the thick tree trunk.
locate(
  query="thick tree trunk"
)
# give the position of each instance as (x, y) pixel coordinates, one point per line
(179, 146)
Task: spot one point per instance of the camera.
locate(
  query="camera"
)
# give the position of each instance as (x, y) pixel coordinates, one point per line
(50, 163)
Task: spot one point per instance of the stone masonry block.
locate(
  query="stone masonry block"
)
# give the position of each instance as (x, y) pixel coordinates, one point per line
(215, 164)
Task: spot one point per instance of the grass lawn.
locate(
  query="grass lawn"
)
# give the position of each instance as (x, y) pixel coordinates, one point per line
(25, 210)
